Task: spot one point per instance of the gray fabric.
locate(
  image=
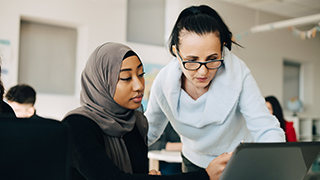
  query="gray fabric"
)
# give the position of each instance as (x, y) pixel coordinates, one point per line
(99, 80)
(188, 166)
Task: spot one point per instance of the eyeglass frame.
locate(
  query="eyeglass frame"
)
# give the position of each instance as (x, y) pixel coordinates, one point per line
(201, 63)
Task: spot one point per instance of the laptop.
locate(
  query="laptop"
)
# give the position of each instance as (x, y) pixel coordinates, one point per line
(271, 161)
(33, 149)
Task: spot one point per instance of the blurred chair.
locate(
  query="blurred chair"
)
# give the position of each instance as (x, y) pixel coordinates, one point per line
(33, 149)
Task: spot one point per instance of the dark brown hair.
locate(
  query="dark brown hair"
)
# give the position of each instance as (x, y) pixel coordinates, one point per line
(201, 20)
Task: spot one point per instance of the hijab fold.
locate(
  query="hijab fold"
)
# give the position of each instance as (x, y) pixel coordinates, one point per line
(98, 81)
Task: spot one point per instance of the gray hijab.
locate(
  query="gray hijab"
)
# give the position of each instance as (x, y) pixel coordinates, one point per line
(99, 80)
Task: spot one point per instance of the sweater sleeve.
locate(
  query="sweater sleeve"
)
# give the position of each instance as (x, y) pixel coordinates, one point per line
(155, 114)
(263, 126)
(91, 161)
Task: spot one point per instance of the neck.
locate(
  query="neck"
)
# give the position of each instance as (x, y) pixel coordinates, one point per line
(193, 91)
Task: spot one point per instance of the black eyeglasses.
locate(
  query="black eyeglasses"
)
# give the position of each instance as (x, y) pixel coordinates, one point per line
(194, 65)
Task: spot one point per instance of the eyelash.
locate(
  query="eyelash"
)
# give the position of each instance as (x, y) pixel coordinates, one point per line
(128, 79)
(142, 74)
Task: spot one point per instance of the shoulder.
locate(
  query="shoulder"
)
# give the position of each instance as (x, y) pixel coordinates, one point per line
(80, 121)
(289, 125)
(82, 128)
(6, 108)
(172, 67)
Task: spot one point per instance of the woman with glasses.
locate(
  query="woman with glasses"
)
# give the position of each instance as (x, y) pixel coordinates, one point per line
(207, 93)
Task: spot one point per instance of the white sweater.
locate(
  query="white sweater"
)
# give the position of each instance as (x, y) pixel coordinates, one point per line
(234, 110)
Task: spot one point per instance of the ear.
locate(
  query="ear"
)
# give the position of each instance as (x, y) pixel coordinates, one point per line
(174, 49)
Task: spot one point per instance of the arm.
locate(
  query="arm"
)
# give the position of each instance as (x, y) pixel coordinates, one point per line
(263, 126)
(173, 146)
(156, 118)
(89, 156)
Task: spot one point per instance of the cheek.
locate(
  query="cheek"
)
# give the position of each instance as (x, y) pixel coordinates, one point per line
(213, 73)
(188, 74)
(120, 93)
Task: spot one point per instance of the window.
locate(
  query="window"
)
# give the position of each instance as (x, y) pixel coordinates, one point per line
(47, 57)
(291, 81)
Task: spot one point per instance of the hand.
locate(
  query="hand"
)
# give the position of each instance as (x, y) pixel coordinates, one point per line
(154, 172)
(216, 166)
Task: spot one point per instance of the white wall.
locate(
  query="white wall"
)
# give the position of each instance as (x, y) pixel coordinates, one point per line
(96, 21)
(99, 21)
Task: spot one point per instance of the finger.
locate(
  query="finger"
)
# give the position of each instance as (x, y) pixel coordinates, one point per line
(152, 172)
(224, 158)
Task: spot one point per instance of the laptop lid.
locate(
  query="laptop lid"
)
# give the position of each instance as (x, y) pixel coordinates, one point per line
(33, 149)
(266, 161)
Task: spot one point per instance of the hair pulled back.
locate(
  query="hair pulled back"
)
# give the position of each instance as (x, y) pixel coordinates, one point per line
(200, 20)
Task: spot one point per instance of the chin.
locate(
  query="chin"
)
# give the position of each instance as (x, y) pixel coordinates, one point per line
(135, 106)
(202, 84)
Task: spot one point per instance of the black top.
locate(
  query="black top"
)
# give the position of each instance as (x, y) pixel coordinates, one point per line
(6, 109)
(33, 149)
(90, 162)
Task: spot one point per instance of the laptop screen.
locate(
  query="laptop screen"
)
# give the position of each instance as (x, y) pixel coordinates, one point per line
(276, 161)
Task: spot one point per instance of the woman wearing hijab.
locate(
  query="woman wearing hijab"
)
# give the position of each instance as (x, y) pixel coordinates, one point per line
(108, 134)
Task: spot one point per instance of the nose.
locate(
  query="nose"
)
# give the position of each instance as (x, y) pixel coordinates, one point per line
(138, 84)
(203, 70)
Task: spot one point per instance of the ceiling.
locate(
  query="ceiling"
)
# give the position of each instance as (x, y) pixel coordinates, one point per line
(286, 8)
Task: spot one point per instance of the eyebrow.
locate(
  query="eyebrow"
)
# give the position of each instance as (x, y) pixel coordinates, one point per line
(196, 57)
(213, 55)
(129, 69)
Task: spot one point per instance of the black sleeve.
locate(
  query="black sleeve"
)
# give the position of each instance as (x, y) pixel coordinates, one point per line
(91, 161)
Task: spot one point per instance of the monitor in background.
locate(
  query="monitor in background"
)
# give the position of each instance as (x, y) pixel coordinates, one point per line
(33, 149)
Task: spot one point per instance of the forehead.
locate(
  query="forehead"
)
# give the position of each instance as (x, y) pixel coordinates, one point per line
(268, 104)
(195, 42)
(131, 62)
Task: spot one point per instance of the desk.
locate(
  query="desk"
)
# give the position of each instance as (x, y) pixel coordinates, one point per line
(162, 155)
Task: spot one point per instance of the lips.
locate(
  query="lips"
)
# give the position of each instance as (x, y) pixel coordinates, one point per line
(202, 79)
(137, 99)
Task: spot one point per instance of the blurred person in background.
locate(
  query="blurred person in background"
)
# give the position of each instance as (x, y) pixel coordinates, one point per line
(22, 98)
(276, 110)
